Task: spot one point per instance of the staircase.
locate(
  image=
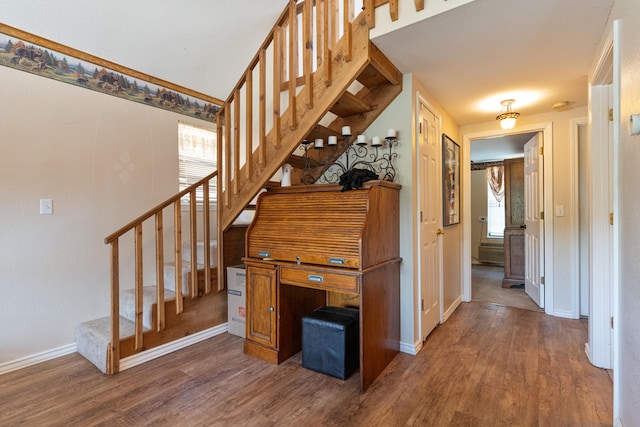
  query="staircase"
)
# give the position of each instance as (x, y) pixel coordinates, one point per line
(325, 76)
(93, 337)
(316, 72)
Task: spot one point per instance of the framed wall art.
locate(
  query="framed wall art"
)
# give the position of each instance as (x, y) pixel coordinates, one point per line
(450, 181)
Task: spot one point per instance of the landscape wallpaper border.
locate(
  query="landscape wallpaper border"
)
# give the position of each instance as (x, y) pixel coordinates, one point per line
(35, 55)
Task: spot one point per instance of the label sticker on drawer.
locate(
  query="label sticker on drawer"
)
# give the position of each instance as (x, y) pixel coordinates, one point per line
(315, 278)
(336, 260)
(264, 253)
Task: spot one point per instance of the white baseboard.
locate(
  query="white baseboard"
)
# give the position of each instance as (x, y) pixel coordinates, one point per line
(449, 311)
(126, 363)
(34, 359)
(587, 351)
(564, 314)
(411, 349)
(154, 353)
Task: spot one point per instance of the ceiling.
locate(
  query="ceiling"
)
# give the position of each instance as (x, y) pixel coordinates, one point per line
(476, 55)
(469, 58)
(203, 45)
(499, 148)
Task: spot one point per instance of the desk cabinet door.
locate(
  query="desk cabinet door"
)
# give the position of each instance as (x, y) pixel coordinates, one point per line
(261, 305)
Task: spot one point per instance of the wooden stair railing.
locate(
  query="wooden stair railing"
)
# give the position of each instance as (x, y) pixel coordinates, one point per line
(306, 68)
(136, 227)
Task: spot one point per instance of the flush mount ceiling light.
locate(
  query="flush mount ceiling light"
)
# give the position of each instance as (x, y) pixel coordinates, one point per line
(508, 117)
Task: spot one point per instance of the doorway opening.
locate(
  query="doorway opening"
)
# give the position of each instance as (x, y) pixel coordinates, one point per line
(498, 220)
(543, 238)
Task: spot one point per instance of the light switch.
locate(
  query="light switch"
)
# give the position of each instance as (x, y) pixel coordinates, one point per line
(560, 210)
(46, 207)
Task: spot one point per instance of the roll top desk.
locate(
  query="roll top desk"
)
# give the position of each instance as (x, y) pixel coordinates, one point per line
(314, 245)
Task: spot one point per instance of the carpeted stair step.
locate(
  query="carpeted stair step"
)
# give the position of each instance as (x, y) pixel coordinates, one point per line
(93, 338)
(170, 276)
(128, 304)
(170, 268)
(213, 252)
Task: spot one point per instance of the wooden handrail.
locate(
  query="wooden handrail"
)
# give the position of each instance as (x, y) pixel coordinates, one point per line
(156, 209)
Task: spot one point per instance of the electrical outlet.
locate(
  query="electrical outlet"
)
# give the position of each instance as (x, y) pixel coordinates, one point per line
(46, 207)
(482, 219)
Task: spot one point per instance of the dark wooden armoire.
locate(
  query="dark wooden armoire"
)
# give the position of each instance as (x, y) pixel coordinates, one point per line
(514, 225)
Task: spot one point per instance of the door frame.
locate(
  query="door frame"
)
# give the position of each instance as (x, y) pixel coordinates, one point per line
(546, 128)
(575, 152)
(420, 101)
(601, 347)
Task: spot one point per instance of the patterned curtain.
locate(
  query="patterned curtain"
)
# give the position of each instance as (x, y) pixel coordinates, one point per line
(495, 177)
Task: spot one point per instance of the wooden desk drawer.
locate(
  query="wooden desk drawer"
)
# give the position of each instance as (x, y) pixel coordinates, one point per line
(321, 279)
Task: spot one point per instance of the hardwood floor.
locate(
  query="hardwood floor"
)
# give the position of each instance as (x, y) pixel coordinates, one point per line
(488, 365)
(486, 285)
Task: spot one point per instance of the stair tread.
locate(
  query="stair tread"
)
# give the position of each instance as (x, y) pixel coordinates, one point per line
(128, 306)
(348, 105)
(150, 292)
(321, 132)
(101, 328)
(300, 162)
(380, 71)
(93, 338)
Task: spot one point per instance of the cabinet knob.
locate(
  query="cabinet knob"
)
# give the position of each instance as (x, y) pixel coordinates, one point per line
(271, 309)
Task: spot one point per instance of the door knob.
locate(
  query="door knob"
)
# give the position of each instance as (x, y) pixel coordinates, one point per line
(271, 309)
(439, 232)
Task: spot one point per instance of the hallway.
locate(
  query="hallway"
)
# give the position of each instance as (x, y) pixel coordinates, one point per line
(486, 282)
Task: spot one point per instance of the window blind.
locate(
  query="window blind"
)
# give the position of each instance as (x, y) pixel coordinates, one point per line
(197, 152)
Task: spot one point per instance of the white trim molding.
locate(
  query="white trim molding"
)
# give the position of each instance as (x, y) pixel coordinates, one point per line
(34, 359)
(452, 308)
(574, 220)
(154, 353)
(411, 349)
(126, 363)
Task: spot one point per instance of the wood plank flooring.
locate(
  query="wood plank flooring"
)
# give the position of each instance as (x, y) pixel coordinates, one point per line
(488, 365)
(486, 285)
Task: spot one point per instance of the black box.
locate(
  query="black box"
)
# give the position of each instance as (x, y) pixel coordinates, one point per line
(331, 341)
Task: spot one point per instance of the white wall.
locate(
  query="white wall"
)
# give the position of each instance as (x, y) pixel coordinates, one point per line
(627, 329)
(398, 116)
(478, 208)
(103, 161)
(195, 53)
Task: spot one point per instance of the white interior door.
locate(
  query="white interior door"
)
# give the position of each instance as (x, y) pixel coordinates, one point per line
(430, 221)
(533, 234)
